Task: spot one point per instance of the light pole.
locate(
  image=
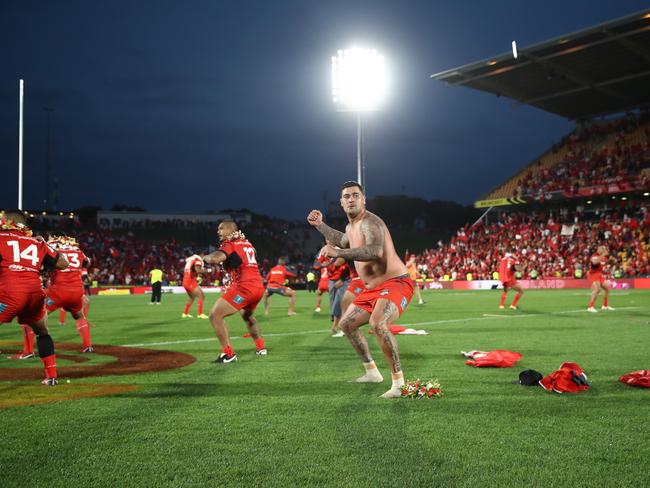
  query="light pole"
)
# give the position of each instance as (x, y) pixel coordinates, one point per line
(358, 85)
(48, 172)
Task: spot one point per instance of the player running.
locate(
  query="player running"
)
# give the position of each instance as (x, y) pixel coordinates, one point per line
(21, 291)
(412, 268)
(246, 289)
(193, 268)
(368, 243)
(508, 266)
(323, 282)
(66, 290)
(597, 280)
(275, 280)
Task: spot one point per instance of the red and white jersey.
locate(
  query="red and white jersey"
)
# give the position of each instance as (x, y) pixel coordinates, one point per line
(595, 268)
(241, 263)
(190, 274)
(507, 268)
(277, 276)
(21, 258)
(337, 272)
(71, 276)
(324, 276)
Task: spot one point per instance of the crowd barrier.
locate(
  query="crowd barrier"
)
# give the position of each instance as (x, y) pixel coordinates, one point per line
(141, 290)
(541, 284)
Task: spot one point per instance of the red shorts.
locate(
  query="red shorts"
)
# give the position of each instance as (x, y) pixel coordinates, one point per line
(68, 300)
(356, 286)
(244, 297)
(29, 307)
(190, 287)
(398, 290)
(324, 286)
(595, 277)
(510, 283)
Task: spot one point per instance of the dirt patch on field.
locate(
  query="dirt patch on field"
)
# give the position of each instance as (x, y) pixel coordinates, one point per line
(129, 360)
(13, 395)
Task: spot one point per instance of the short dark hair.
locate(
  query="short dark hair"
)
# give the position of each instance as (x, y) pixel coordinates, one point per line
(350, 184)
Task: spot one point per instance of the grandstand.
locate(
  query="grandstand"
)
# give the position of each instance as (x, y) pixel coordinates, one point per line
(591, 188)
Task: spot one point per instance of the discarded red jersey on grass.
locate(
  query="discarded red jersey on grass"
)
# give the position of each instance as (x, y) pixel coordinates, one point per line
(570, 378)
(637, 378)
(494, 359)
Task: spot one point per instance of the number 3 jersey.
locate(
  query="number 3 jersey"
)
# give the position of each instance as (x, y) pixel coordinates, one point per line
(241, 263)
(21, 258)
(70, 278)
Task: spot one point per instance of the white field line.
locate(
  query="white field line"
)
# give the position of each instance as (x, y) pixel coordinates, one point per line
(415, 324)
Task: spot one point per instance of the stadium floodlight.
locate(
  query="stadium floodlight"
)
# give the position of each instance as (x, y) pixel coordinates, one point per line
(358, 85)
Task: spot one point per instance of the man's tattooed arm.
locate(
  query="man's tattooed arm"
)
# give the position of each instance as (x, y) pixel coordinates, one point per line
(335, 237)
(373, 232)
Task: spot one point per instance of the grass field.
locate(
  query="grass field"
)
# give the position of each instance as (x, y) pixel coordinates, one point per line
(293, 418)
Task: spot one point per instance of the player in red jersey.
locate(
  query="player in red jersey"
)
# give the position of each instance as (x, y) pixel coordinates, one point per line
(507, 268)
(354, 289)
(368, 243)
(21, 290)
(193, 268)
(597, 280)
(323, 282)
(244, 292)
(275, 280)
(66, 290)
(85, 280)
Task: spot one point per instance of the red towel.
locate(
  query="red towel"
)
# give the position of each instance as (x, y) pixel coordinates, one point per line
(637, 378)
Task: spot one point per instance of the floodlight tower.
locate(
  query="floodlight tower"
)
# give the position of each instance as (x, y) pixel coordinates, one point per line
(358, 85)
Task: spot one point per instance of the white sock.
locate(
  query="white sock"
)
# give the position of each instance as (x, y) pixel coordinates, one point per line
(398, 379)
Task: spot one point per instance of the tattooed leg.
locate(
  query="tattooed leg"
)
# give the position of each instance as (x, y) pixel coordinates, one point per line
(350, 323)
(383, 315)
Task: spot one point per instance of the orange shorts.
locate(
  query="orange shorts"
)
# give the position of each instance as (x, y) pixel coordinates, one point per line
(190, 287)
(356, 286)
(398, 290)
(244, 297)
(29, 307)
(595, 277)
(509, 284)
(70, 301)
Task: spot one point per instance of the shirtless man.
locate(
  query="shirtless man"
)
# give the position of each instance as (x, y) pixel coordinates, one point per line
(389, 289)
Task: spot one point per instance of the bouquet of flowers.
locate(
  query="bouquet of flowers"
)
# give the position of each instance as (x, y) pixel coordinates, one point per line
(422, 389)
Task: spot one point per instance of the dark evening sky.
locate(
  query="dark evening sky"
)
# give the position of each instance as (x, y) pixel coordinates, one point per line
(199, 105)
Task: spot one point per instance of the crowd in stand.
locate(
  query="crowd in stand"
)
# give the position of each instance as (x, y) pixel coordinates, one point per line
(549, 245)
(122, 259)
(588, 163)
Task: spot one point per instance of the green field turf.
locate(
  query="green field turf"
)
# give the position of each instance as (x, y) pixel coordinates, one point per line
(293, 418)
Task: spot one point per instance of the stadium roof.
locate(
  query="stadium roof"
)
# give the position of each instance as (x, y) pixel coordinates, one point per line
(601, 70)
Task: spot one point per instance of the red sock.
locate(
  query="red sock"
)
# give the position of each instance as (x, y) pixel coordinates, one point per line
(84, 331)
(259, 343)
(199, 307)
(605, 302)
(592, 302)
(28, 339)
(228, 350)
(86, 308)
(516, 300)
(187, 308)
(49, 363)
(503, 298)
(61, 316)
